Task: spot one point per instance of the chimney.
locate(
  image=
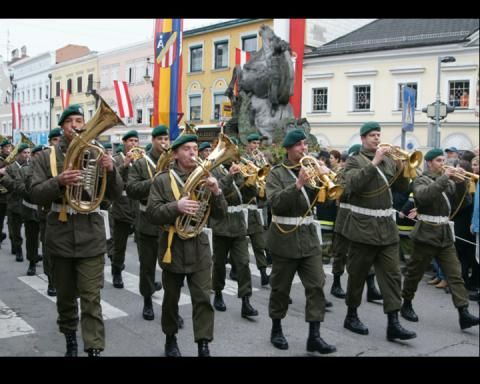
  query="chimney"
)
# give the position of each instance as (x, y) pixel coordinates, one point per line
(15, 54)
(24, 51)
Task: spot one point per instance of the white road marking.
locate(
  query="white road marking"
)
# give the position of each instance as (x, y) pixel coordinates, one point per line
(11, 324)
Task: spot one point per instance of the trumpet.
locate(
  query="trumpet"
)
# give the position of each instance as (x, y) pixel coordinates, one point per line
(413, 159)
(464, 176)
(254, 175)
(317, 181)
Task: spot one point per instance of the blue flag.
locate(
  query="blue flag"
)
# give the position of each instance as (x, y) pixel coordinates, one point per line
(408, 113)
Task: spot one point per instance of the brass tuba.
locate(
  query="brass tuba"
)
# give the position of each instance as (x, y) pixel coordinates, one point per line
(84, 155)
(317, 181)
(189, 226)
(167, 155)
(413, 159)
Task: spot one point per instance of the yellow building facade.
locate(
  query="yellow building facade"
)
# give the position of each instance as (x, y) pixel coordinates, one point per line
(208, 61)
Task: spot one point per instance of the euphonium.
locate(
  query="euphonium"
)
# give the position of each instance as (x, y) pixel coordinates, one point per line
(167, 155)
(84, 155)
(413, 159)
(189, 226)
(317, 181)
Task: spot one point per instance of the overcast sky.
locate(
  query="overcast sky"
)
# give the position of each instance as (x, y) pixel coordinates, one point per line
(42, 35)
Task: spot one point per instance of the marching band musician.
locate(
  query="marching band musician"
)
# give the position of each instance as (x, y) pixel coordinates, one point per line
(140, 179)
(180, 258)
(77, 247)
(294, 244)
(370, 226)
(5, 149)
(437, 194)
(123, 210)
(204, 149)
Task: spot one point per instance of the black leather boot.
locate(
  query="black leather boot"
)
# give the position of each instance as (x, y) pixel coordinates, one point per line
(203, 350)
(467, 320)
(265, 279)
(171, 347)
(32, 269)
(395, 330)
(336, 289)
(94, 352)
(51, 291)
(315, 342)
(372, 291)
(247, 309)
(269, 257)
(407, 311)
(158, 285)
(233, 273)
(276, 337)
(218, 302)
(180, 321)
(117, 278)
(72, 346)
(148, 313)
(19, 254)
(353, 323)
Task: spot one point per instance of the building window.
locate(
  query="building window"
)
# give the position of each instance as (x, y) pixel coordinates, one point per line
(79, 84)
(221, 54)
(362, 97)
(90, 82)
(196, 54)
(139, 116)
(217, 105)
(34, 94)
(458, 91)
(150, 116)
(40, 93)
(320, 99)
(58, 118)
(130, 75)
(69, 86)
(195, 108)
(39, 123)
(57, 89)
(400, 93)
(249, 43)
(46, 92)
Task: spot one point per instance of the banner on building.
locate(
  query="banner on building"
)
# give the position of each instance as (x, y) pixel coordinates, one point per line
(124, 102)
(16, 116)
(167, 77)
(65, 96)
(408, 112)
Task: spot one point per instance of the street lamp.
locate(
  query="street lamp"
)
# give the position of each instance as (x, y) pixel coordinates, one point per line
(147, 76)
(441, 59)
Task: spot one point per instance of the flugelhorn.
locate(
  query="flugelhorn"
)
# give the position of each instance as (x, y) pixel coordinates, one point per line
(464, 176)
(318, 181)
(254, 175)
(414, 159)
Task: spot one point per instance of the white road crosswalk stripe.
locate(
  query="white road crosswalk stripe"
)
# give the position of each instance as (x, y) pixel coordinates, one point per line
(40, 284)
(131, 283)
(11, 324)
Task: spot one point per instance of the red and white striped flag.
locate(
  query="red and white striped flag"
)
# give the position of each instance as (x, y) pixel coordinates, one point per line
(241, 58)
(125, 108)
(65, 96)
(16, 116)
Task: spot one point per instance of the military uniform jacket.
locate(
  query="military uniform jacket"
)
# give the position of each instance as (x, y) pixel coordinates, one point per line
(341, 212)
(23, 188)
(428, 194)
(83, 235)
(124, 209)
(233, 224)
(3, 189)
(286, 201)
(254, 219)
(11, 182)
(190, 255)
(138, 188)
(361, 177)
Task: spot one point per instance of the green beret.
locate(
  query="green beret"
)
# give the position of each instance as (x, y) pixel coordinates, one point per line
(354, 148)
(160, 130)
(38, 148)
(204, 145)
(293, 137)
(5, 142)
(368, 127)
(55, 132)
(119, 148)
(182, 139)
(148, 147)
(22, 147)
(74, 109)
(433, 153)
(107, 146)
(253, 137)
(129, 134)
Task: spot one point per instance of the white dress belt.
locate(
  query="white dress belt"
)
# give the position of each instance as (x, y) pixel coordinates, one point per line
(292, 220)
(369, 212)
(124, 193)
(143, 208)
(29, 205)
(57, 208)
(239, 208)
(433, 219)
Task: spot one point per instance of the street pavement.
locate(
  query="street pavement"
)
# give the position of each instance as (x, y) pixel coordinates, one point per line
(28, 320)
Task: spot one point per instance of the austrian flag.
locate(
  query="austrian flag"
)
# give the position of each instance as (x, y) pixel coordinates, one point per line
(125, 108)
(65, 96)
(16, 117)
(241, 57)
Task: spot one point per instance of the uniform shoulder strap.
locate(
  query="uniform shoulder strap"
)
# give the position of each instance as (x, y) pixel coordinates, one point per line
(53, 161)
